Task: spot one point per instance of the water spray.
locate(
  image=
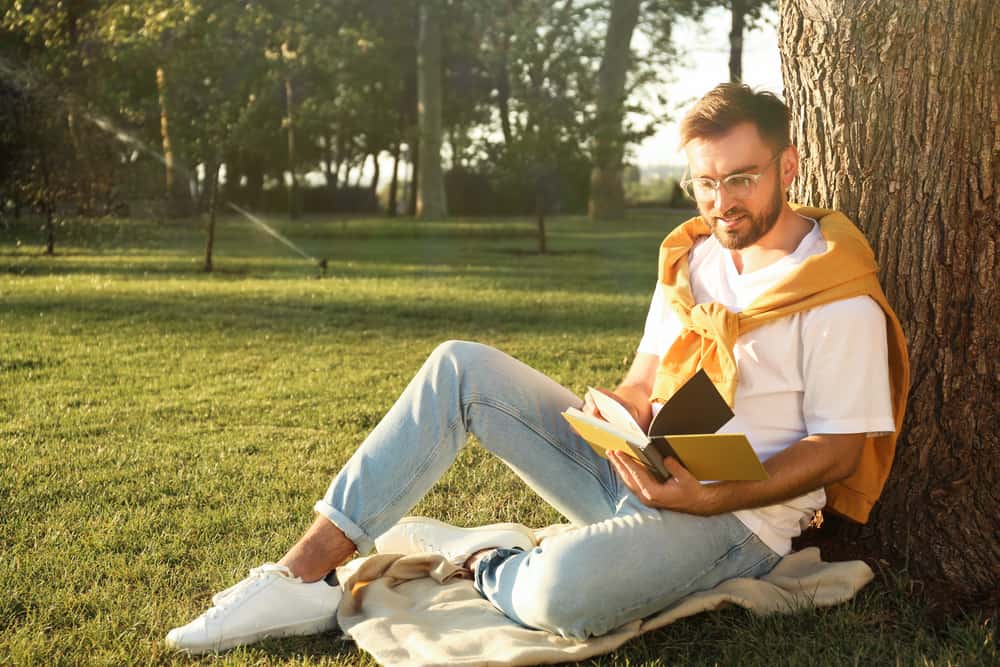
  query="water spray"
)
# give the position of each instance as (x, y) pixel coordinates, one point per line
(23, 80)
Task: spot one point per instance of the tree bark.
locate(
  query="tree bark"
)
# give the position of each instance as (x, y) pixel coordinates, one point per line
(738, 9)
(906, 141)
(431, 202)
(607, 192)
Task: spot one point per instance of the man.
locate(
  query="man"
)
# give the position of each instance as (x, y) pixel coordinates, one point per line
(782, 311)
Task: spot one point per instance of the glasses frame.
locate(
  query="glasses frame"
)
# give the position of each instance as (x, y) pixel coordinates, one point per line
(717, 183)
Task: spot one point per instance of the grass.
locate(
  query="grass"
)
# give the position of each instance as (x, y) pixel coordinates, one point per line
(163, 430)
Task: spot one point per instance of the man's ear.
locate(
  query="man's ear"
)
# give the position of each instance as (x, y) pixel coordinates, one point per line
(789, 166)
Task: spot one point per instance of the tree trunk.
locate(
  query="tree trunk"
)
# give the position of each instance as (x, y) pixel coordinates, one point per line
(540, 220)
(503, 87)
(411, 207)
(213, 190)
(377, 173)
(170, 173)
(607, 192)
(394, 182)
(47, 195)
(330, 166)
(293, 189)
(255, 185)
(739, 16)
(431, 202)
(904, 140)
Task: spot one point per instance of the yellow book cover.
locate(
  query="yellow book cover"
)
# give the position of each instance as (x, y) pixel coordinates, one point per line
(684, 428)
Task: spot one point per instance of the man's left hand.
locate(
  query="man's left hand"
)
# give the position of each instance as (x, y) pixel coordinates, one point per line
(681, 493)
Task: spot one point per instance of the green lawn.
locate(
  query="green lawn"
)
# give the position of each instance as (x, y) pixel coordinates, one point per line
(163, 430)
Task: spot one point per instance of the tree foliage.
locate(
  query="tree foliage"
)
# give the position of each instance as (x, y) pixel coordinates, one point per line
(278, 95)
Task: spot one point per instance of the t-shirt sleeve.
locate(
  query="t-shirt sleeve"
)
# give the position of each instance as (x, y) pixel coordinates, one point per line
(662, 326)
(846, 369)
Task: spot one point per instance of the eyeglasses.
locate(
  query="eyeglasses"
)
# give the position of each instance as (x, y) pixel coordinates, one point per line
(740, 186)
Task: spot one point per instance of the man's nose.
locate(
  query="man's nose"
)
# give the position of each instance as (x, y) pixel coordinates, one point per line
(723, 200)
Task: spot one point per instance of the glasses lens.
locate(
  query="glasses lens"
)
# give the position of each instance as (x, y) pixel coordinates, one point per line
(740, 185)
(704, 188)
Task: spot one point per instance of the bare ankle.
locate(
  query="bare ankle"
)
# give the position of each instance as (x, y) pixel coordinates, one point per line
(473, 560)
(321, 549)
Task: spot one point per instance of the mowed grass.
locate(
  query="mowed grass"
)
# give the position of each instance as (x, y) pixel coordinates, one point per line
(163, 430)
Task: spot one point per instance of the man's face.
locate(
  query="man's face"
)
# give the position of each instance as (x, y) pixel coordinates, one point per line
(740, 220)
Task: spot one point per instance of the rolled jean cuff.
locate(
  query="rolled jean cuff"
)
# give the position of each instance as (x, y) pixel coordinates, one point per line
(362, 542)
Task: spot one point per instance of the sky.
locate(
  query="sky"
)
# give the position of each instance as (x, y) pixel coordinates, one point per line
(705, 64)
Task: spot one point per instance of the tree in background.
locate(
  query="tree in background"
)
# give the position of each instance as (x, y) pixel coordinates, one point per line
(607, 192)
(745, 14)
(904, 141)
(261, 93)
(431, 201)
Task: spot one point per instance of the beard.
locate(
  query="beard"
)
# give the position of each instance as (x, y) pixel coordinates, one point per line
(755, 227)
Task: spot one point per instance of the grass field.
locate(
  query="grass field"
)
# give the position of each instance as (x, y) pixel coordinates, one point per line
(163, 430)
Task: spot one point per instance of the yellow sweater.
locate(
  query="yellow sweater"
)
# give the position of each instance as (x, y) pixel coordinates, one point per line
(846, 269)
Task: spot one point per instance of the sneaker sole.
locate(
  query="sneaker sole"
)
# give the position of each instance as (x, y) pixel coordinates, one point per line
(515, 527)
(311, 627)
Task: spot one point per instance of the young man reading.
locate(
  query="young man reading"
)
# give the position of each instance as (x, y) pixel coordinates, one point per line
(778, 304)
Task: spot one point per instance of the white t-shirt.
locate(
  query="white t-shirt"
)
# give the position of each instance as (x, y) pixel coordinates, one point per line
(823, 370)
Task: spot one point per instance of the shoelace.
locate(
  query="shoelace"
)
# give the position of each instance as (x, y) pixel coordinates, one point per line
(237, 593)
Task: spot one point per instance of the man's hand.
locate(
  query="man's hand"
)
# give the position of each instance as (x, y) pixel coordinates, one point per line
(681, 493)
(814, 461)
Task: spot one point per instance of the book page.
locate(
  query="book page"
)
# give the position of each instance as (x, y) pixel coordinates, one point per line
(615, 413)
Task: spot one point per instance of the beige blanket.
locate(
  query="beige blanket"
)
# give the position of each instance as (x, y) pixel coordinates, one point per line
(416, 610)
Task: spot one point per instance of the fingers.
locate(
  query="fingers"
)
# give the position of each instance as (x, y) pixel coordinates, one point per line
(589, 408)
(680, 473)
(635, 476)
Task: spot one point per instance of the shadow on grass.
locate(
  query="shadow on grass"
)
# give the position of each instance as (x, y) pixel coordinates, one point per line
(293, 314)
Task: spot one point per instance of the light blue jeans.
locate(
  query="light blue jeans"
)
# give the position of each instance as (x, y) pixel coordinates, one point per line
(623, 561)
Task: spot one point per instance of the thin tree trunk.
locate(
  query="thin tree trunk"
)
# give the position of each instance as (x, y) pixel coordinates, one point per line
(376, 175)
(904, 141)
(431, 201)
(50, 226)
(540, 221)
(213, 189)
(329, 164)
(394, 183)
(293, 190)
(411, 208)
(503, 88)
(607, 192)
(255, 185)
(739, 15)
(170, 173)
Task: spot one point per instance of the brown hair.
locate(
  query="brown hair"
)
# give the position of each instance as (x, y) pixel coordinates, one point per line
(730, 104)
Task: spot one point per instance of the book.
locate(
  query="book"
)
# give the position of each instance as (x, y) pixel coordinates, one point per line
(687, 428)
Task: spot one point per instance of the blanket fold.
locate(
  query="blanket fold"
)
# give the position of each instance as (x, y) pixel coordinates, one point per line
(420, 610)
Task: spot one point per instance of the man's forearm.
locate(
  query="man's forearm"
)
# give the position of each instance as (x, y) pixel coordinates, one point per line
(811, 463)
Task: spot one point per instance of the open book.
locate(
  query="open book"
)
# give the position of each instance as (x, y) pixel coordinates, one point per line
(685, 428)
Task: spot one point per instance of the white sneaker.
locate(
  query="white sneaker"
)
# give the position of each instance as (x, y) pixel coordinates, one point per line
(417, 534)
(268, 603)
